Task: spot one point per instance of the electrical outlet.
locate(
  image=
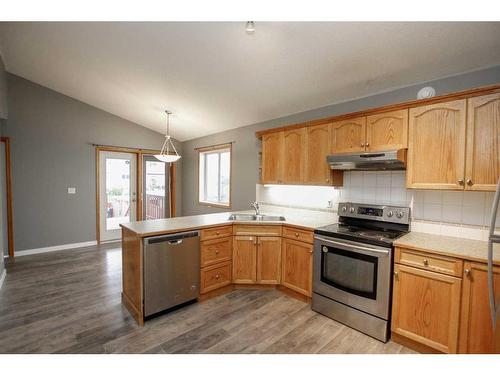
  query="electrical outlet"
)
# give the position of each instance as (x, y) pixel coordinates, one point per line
(330, 204)
(71, 190)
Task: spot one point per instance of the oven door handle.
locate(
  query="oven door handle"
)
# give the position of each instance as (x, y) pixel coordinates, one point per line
(356, 247)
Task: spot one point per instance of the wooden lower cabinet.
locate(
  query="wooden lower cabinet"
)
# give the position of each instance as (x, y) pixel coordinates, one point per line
(268, 260)
(297, 266)
(476, 332)
(244, 259)
(215, 277)
(426, 307)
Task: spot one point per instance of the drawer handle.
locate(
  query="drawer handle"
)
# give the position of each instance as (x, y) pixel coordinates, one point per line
(426, 262)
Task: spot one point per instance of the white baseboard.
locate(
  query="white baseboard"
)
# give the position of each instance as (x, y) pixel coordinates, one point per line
(54, 248)
(2, 278)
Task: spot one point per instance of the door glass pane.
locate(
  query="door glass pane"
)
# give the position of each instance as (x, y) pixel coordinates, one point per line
(117, 192)
(155, 183)
(352, 272)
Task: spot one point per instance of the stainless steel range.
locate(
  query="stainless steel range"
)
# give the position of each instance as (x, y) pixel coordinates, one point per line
(352, 266)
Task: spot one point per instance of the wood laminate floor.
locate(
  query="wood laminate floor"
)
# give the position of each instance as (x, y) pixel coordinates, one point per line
(69, 302)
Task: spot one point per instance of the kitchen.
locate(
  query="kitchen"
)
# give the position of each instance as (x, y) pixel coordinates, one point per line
(179, 205)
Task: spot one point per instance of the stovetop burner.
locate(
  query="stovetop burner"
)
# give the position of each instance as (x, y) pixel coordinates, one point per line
(356, 225)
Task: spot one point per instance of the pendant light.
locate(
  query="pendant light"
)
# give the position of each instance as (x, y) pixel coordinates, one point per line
(164, 154)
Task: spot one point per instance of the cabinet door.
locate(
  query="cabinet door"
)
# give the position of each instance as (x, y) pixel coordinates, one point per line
(349, 135)
(476, 332)
(268, 260)
(387, 131)
(272, 158)
(318, 147)
(294, 156)
(483, 143)
(436, 146)
(297, 266)
(426, 307)
(244, 259)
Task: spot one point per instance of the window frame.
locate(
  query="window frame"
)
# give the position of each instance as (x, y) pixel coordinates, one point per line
(215, 149)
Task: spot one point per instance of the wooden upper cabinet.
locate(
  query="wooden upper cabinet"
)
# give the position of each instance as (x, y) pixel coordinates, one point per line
(483, 143)
(349, 135)
(272, 158)
(294, 156)
(297, 266)
(476, 332)
(244, 259)
(426, 307)
(317, 148)
(387, 131)
(436, 144)
(268, 260)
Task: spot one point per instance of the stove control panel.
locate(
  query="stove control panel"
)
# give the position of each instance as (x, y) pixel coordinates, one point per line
(391, 214)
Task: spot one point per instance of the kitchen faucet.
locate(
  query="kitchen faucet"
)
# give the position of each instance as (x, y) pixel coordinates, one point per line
(255, 206)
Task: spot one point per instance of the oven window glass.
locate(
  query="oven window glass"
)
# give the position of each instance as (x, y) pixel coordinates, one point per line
(349, 271)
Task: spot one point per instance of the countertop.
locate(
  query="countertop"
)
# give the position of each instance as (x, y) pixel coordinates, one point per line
(463, 248)
(295, 217)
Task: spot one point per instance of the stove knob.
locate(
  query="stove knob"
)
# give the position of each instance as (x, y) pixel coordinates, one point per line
(352, 210)
(325, 249)
(400, 214)
(390, 213)
(344, 209)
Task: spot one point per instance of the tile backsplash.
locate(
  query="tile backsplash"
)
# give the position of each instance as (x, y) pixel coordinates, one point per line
(450, 209)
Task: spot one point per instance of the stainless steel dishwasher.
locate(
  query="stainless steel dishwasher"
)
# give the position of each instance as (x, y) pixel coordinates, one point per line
(171, 271)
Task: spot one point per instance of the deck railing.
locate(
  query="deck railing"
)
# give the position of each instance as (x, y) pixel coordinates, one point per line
(155, 207)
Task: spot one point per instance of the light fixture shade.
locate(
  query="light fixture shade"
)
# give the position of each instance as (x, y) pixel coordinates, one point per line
(165, 155)
(167, 158)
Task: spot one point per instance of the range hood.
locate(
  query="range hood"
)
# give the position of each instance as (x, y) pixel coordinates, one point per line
(369, 161)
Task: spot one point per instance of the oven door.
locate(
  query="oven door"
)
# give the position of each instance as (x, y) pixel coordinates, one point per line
(352, 273)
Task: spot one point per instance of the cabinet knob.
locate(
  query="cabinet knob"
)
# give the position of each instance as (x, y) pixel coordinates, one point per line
(461, 182)
(469, 182)
(367, 144)
(216, 252)
(467, 272)
(217, 233)
(310, 251)
(296, 234)
(362, 144)
(217, 276)
(426, 262)
(327, 180)
(396, 275)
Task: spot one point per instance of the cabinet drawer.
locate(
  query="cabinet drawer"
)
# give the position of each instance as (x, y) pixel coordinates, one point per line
(216, 232)
(257, 230)
(216, 251)
(216, 276)
(298, 234)
(431, 262)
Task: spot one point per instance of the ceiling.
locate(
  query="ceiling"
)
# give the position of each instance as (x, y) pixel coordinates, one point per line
(214, 76)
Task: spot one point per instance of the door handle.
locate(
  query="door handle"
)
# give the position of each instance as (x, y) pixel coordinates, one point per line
(175, 242)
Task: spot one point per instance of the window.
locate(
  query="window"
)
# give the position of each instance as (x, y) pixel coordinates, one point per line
(215, 175)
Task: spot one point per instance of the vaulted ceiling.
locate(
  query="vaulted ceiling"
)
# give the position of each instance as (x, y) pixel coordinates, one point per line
(214, 76)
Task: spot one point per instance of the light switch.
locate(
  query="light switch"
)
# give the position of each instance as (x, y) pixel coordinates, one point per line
(71, 190)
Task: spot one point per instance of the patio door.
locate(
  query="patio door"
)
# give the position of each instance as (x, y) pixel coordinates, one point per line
(156, 188)
(117, 192)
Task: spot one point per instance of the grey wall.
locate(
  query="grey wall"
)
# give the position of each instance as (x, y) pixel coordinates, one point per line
(51, 136)
(245, 150)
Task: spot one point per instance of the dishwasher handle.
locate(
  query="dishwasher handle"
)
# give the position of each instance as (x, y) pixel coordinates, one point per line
(172, 239)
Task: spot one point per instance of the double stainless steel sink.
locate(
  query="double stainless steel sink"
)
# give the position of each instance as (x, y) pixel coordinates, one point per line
(249, 217)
